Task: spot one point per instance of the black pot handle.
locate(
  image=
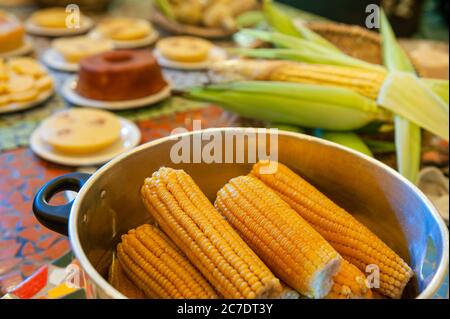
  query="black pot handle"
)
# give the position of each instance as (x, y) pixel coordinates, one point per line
(56, 218)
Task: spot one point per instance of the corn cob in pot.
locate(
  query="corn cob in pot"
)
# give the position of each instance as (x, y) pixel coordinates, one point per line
(349, 283)
(356, 243)
(120, 281)
(158, 268)
(210, 243)
(292, 249)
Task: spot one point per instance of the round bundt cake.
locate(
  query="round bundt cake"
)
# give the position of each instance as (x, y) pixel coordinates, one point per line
(119, 76)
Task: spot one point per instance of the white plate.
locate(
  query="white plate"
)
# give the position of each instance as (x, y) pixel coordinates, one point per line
(130, 137)
(34, 29)
(132, 44)
(69, 93)
(23, 50)
(14, 107)
(215, 54)
(56, 61)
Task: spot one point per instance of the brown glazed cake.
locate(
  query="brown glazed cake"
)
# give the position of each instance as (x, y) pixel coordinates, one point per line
(119, 76)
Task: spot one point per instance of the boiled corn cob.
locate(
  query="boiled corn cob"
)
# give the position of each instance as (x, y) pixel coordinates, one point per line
(350, 238)
(118, 279)
(158, 268)
(292, 249)
(286, 293)
(211, 244)
(349, 283)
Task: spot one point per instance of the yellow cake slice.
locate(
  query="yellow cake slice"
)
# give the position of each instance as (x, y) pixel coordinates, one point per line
(81, 131)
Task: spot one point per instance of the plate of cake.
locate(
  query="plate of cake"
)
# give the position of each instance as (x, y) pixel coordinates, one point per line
(83, 137)
(24, 83)
(12, 37)
(66, 53)
(57, 22)
(187, 53)
(117, 80)
(125, 33)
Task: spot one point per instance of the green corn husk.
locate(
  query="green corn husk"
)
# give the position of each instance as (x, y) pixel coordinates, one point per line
(287, 127)
(278, 20)
(405, 95)
(165, 8)
(303, 56)
(380, 147)
(439, 87)
(249, 19)
(290, 103)
(407, 134)
(281, 22)
(348, 139)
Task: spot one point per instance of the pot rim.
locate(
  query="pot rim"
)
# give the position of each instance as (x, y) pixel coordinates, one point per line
(103, 284)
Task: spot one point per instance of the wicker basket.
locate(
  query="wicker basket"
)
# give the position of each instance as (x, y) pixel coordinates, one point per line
(353, 40)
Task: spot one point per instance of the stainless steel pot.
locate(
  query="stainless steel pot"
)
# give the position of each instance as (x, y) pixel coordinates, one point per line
(108, 203)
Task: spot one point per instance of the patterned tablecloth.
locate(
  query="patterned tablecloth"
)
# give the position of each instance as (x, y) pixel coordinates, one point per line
(27, 248)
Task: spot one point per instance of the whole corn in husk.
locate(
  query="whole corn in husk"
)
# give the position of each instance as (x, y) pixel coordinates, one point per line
(349, 283)
(364, 82)
(190, 220)
(305, 105)
(355, 242)
(158, 268)
(291, 248)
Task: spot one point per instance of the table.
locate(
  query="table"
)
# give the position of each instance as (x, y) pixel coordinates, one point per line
(24, 243)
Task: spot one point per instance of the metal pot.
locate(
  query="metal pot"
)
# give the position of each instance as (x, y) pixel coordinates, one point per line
(108, 203)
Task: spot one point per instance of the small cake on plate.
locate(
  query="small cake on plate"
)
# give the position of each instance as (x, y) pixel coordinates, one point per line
(124, 29)
(81, 131)
(53, 18)
(184, 49)
(119, 76)
(22, 80)
(73, 49)
(11, 32)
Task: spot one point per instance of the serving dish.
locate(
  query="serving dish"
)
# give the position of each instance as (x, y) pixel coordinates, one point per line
(108, 203)
(130, 136)
(70, 94)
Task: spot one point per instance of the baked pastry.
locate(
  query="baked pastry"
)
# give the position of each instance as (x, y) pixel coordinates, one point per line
(81, 131)
(54, 18)
(119, 75)
(11, 32)
(75, 48)
(124, 29)
(184, 49)
(22, 80)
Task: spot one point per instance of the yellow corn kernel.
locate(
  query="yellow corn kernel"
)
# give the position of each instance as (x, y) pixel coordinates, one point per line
(292, 249)
(349, 283)
(120, 281)
(356, 243)
(210, 243)
(365, 82)
(158, 268)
